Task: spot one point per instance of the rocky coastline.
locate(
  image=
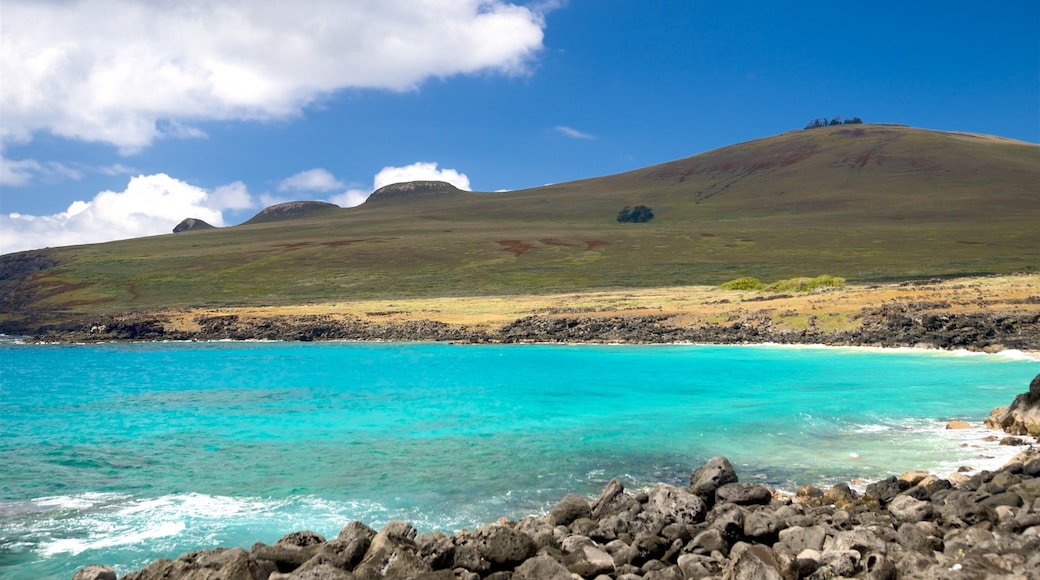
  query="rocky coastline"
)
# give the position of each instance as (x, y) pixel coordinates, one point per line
(913, 526)
(888, 325)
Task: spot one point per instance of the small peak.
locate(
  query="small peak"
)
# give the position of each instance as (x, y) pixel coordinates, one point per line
(191, 224)
(413, 189)
(291, 210)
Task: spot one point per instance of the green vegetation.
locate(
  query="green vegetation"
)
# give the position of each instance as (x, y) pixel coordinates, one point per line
(835, 120)
(874, 203)
(635, 215)
(790, 285)
(745, 283)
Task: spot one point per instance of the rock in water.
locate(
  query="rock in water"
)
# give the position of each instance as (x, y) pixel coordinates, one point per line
(707, 479)
(1023, 416)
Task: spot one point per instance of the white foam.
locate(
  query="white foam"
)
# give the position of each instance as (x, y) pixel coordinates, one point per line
(122, 538)
(76, 502)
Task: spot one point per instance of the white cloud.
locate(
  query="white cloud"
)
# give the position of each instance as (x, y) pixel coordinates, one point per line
(311, 180)
(150, 205)
(421, 171)
(126, 72)
(16, 173)
(573, 133)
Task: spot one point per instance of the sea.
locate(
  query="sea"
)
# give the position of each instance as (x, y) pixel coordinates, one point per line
(123, 453)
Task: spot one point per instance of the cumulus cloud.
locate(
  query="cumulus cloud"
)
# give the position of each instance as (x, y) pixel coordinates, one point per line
(311, 180)
(421, 171)
(573, 133)
(150, 205)
(127, 72)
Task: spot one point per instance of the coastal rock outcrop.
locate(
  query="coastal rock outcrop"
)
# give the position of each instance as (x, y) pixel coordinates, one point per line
(1022, 417)
(912, 526)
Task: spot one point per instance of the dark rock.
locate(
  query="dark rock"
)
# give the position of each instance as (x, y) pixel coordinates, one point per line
(753, 561)
(799, 538)
(503, 546)
(191, 225)
(708, 541)
(729, 519)
(708, 478)
(542, 567)
(95, 572)
(301, 539)
(669, 504)
(284, 556)
(589, 561)
(744, 494)
(761, 526)
(570, 508)
(920, 537)
(839, 495)
(437, 550)
(905, 508)
(321, 572)
(887, 488)
(649, 547)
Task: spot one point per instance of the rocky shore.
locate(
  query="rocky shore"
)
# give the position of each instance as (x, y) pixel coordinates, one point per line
(913, 526)
(889, 325)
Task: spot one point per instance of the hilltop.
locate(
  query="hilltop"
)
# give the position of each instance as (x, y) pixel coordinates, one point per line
(870, 203)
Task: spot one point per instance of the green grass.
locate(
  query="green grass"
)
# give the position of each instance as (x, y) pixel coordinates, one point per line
(888, 203)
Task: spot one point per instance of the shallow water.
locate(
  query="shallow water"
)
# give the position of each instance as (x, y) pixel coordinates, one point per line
(124, 453)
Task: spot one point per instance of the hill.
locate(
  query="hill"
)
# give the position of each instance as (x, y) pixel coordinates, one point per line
(866, 202)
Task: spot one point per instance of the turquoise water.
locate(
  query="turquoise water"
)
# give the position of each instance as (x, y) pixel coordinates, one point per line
(123, 453)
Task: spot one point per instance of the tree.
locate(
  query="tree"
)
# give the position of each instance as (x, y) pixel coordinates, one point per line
(635, 215)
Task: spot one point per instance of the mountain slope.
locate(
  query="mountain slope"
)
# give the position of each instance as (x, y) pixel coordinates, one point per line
(867, 202)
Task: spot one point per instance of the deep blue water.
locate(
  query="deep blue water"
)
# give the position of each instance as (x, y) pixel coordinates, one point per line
(123, 453)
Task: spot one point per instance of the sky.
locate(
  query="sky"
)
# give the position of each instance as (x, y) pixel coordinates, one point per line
(120, 118)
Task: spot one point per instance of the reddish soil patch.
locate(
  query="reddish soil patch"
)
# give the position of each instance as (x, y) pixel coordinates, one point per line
(707, 235)
(593, 244)
(340, 243)
(516, 247)
(551, 242)
(294, 245)
(863, 159)
(134, 294)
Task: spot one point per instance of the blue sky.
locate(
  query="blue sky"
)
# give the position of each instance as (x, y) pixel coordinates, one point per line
(120, 118)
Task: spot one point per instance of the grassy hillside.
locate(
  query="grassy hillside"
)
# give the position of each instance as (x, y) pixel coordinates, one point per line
(866, 202)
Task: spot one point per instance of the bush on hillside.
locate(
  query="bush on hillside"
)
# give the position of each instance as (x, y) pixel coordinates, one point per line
(835, 120)
(635, 215)
(806, 284)
(745, 283)
(790, 285)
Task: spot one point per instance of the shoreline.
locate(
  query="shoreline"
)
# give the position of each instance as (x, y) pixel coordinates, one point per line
(979, 314)
(911, 525)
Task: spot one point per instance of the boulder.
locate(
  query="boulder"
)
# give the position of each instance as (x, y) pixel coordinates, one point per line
(570, 508)
(752, 561)
(503, 546)
(907, 509)
(95, 572)
(542, 567)
(744, 494)
(887, 488)
(1023, 416)
(958, 424)
(708, 478)
(590, 561)
(807, 538)
(669, 504)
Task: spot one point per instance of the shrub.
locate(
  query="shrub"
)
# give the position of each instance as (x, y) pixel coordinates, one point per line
(790, 285)
(745, 283)
(635, 215)
(806, 284)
